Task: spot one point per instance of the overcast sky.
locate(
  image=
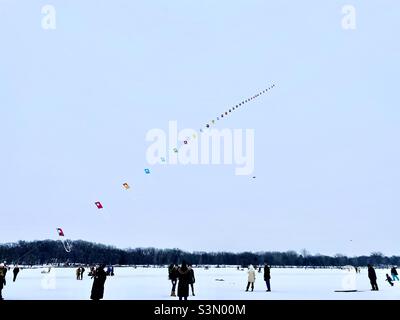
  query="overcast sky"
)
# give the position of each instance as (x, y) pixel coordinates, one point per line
(77, 101)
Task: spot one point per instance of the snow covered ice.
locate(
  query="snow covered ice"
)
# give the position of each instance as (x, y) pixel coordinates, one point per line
(153, 284)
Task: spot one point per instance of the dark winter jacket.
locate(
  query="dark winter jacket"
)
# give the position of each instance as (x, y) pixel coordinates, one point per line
(172, 273)
(371, 274)
(98, 284)
(2, 278)
(192, 278)
(184, 281)
(267, 273)
(394, 271)
(15, 270)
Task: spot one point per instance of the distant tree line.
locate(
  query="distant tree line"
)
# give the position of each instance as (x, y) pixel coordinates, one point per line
(83, 252)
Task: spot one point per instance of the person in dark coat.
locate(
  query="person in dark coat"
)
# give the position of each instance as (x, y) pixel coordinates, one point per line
(389, 279)
(394, 273)
(100, 277)
(372, 278)
(91, 272)
(267, 276)
(184, 278)
(81, 273)
(192, 278)
(3, 272)
(15, 272)
(173, 276)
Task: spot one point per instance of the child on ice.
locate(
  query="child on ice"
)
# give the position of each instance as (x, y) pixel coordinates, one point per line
(389, 279)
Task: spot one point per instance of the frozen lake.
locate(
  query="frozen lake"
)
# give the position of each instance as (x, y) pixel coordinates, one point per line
(153, 284)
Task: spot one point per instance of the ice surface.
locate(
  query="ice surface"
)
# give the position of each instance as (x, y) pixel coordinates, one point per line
(153, 284)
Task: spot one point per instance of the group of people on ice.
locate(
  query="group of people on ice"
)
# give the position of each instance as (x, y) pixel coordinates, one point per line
(390, 279)
(251, 278)
(373, 278)
(3, 272)
(184, 277)
(79, 273)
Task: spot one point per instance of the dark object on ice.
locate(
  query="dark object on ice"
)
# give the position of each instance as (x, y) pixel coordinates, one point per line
(394, 273)
(3, 272)
(184, 281)
(192, 278)
(267, 276)
(110, 271)
(389, 279)
(92, 272)
(372, 278)
(347, 291)
(173, 276)
(219, 280)
(100, 277)
(15, 272)
(81, 273)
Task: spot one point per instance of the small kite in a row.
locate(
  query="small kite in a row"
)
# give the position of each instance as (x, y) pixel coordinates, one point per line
(226, 113)
(126, 185)
(230, 110)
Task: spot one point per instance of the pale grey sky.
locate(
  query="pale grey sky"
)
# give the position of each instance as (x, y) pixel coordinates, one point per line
(76, 103)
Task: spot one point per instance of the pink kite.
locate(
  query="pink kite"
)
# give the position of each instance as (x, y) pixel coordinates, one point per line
(60, 232)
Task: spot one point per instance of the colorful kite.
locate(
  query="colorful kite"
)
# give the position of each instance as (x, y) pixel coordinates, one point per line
(98, 205)
(66, 243)
(147, 171)
(126, 186)
(60, 232)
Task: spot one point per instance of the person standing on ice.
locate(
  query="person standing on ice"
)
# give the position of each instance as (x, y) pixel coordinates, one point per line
(100, 277)
(394, 273)
(173, 276)
(372, 278)
(184, 278)
(15, 272)
(3, 272)
(251, 278)
(267, 276)
(81, 272)
(192, 278)
(78, 273)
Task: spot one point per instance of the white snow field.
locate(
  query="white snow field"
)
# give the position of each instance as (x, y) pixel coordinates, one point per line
(153, 284)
